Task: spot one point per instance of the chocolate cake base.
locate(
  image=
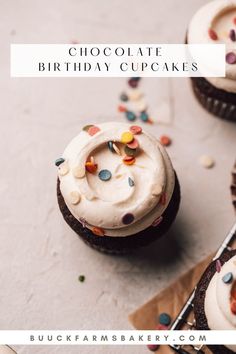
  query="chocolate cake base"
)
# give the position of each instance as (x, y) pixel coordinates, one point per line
(218, 102)
(233, 186)
(199, 301)
(119, 245)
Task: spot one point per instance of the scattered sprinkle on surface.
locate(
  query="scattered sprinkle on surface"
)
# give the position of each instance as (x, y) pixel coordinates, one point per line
(212, 34)
(206, 161)
(81, 278)
(218, 266)
(127, 137)
(231, 58)
(228, 278)
(165, 319)
(128, 219)
(131, 182)
(135, 129)
(165, 140)
(130, 115)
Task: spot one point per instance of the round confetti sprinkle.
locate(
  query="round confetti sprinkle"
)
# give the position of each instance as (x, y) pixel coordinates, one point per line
(153, 347)
(144, 116)
(79, 172)
(133, 83)
(81, 278)
(233, 307)
(117, 150)
(104, 175)
(206, 161)
(83, 222)
(165, 140)
(122, 108)
(130, 115)
(128, 219)
(93, 130)
(212, 34)
(124, 97)
(227, 278)
(63, 169)
(75, 197)
(231, 58)
(110, 146)
(98, 231)
(218, 266)
(157, 189)
(127, 137)
(91, 167)
(129, 160)
(157, 221)
(59, 161)
(232, 35)
(130, 152)
(134, 144)
(165, 319)
(135, 129)
(86, 127)
(131, 182)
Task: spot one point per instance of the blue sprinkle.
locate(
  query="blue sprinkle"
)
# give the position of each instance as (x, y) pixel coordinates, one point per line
(124, 97)
(130, 115)
(144, 116)
(59, 161)
(104, 175)
(131, 182)
(227, 278)
(164, 319)
(110, 146)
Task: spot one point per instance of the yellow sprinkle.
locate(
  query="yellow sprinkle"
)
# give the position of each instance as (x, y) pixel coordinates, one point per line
(127, 137)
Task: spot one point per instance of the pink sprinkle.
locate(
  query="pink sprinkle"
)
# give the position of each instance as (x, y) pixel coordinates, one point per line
(232, 35)
(134, 144)
(93, 130)
(212, 34)
(231, 58)
(218, 266)
(157, 221)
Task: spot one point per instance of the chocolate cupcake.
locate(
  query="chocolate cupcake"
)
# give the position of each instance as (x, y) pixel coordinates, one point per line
(215, 23)
(117, 188)
(233, 186)
(215, 299)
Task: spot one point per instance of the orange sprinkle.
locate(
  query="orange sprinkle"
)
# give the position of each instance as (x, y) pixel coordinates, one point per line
(150, 121)
(233, 307)
(93, 130)
(212, 34)
(98, 231)
(129, 160)
(165, 140)
(91, 167)
(122, 108)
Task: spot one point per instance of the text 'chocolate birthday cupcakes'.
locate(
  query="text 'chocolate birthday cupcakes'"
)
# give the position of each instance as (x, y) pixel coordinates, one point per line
(116, 187)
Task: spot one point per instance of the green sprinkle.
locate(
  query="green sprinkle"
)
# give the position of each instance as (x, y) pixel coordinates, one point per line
(81, 278)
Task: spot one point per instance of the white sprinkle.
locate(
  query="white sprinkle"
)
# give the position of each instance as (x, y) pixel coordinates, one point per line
(117, 150)
(206, 161)
(63, 169)
(79, 172)
(75, 197)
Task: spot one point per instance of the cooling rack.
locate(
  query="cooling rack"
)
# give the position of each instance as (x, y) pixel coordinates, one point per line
(185, 319)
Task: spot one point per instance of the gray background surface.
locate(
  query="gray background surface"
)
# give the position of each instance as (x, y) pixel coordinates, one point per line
(40, 256)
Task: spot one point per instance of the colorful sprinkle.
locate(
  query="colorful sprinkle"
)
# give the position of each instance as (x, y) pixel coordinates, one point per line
(91, 167)
(144, 116)
(165, 140)
(105, 175)
(218, 266)
(128, 219)
(163, 198)
(212, 34)
(63, 169)
(117, 150)
(130, 152)
(234, 20)
(165, 319)
(110, 146)
(153, 347)
(232, 35)
(75, 197)
(227, 278)
(230, 58)
(157, 221)
(124, 97)
(93, 130)
(129, 160)
(122, 108)
(207, 161)
(81, 278)
(135, 129)
(79, 172)
(83, 222)
(233, 307)
(127, 137)
(59, 161)
(130, 115)
(134, 144)
(133, 83)
(131, 182)
(86, 127)
(98, 231)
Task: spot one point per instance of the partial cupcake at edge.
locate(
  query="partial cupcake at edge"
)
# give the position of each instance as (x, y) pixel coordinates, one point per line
(215, 299)
(215, 23)
(116, 187)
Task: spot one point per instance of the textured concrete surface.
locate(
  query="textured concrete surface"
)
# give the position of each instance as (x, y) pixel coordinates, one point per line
(40, 256)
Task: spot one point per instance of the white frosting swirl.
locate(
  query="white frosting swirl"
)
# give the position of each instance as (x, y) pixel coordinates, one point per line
(219, 16)
(217, 300)
(103, 204)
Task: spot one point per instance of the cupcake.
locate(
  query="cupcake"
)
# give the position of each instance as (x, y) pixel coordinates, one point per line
(215, 23)
(215, 299)
(116, 187)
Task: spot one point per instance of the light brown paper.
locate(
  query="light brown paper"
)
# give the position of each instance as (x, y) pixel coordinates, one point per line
(169, 300)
